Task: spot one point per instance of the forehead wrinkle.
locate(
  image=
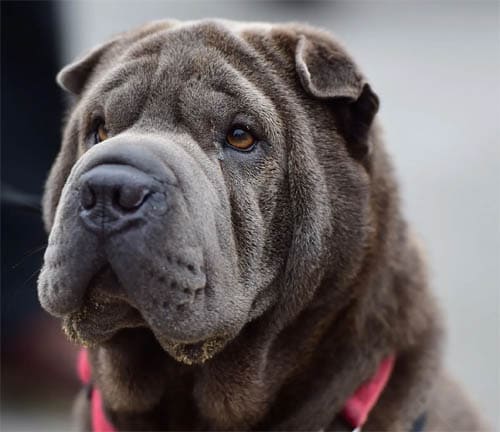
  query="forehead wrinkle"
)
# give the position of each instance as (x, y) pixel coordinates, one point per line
(244, 97)
(253, 99)
(177, 64)
(245, 61)
(179, 54)
(225, 78)
(119, 83)
(154, 79)
(122, 72)
(191, 52)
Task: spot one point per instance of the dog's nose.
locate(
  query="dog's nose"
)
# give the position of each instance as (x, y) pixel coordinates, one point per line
(113, 196)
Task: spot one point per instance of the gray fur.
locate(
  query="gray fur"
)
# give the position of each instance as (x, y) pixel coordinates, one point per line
(276, 278)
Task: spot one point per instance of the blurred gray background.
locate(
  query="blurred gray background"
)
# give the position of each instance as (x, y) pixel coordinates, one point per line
(436, 67)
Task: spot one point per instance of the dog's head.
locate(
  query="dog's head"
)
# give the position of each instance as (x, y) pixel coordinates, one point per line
(211, 173)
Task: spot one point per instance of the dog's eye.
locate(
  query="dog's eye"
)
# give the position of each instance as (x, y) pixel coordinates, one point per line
(240, 138)
(100, 134)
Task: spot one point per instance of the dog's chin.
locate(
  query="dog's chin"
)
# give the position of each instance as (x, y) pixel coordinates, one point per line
(107, 325)
(97, 322)
(194, 353)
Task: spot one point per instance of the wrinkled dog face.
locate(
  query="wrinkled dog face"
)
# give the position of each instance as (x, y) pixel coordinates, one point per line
(173, 204)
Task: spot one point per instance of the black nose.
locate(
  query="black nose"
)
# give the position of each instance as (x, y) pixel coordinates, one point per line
(113, 196)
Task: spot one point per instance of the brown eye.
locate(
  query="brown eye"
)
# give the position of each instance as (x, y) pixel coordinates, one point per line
(101, 134)
(239, 138)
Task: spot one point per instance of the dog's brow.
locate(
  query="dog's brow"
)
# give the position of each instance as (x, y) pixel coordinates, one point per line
(123, 73)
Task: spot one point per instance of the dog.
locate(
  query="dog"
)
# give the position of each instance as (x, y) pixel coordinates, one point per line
(226, 240)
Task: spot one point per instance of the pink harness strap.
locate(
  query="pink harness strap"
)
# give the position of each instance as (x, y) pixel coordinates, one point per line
(359, 405)
(355, 411)
(99, 421)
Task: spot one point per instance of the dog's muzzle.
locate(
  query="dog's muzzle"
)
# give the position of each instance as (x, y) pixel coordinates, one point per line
(128, 248)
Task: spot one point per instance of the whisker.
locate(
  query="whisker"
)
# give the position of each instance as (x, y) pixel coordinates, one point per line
(14, 197)
(31, 252)
(31, 276)
(18, 295)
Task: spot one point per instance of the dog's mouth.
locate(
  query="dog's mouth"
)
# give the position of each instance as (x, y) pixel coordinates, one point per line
(104, 312)
(106, 317)
(99, 320)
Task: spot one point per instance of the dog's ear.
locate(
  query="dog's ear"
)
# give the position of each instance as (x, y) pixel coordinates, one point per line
(74, 76)
(327, 73)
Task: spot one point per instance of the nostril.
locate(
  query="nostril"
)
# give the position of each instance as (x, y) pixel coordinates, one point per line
(87, 197)
(113, 197)
(130, 197)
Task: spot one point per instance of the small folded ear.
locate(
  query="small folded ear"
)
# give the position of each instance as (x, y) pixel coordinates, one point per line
(74, 76)
(328, 74)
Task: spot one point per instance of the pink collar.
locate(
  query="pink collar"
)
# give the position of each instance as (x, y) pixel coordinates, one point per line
(355, 411)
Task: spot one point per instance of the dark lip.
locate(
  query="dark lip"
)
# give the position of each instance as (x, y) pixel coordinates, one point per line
(96, 322)
(81, 328)
(104, 312)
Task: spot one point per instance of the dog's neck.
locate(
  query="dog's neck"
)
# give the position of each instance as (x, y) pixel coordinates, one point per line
(307, 370)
